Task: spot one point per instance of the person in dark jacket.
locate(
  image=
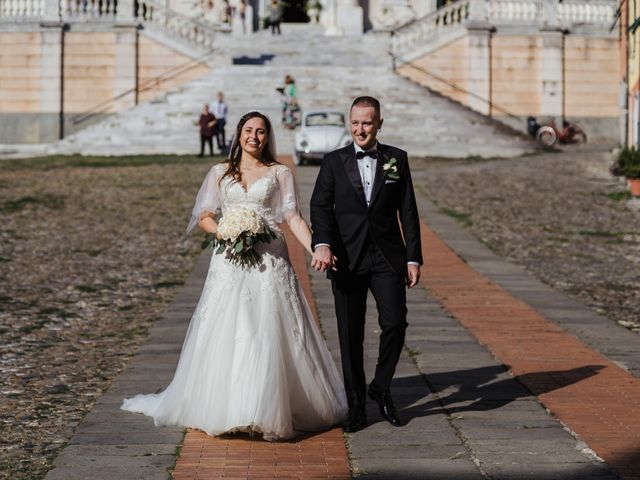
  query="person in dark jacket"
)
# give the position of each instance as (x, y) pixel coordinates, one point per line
(366, 235)
(207, 125)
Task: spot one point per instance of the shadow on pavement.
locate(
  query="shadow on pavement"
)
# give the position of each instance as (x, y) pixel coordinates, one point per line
(480, 389)
(245, 60)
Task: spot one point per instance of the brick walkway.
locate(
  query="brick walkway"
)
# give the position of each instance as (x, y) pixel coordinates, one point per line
(317, 456)
(591, 395)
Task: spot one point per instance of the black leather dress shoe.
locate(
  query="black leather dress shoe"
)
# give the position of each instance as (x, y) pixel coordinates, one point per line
(356, 420)
(387, 409)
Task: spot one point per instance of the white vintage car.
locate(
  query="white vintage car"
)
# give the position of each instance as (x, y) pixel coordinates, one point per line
(320, 133)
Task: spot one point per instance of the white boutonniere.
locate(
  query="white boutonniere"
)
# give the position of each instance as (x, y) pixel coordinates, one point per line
(390, 169)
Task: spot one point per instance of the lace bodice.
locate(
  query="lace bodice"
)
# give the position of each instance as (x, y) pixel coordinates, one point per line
(273, 196)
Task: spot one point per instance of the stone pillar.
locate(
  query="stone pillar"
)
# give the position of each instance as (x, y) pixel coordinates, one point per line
(479, 68)
(125, 11)
(52, 11)
(350, 17)
(329, 18)
(389, 14)
(125, 67)
(551, 74)
(50, 82)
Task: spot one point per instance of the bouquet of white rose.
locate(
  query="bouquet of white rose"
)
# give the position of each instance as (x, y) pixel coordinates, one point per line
(238, 232)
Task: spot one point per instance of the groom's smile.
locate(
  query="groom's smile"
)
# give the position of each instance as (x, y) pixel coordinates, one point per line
(365, 123)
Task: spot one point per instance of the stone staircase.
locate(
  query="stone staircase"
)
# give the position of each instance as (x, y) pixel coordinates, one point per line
(329, 72)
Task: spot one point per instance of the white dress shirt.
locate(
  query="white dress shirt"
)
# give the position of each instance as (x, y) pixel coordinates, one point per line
(220, 110)
(367, 168)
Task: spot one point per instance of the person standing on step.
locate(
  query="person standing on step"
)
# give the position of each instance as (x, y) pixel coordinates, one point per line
(275, 17)
(366, 236)
(207, 125)
(220, 110)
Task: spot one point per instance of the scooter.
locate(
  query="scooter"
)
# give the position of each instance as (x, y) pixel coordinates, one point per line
(548, 134)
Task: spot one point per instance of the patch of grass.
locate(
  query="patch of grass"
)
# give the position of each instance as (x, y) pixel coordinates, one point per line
(86, 288)
(490, 245)
(619, 196)
(53, 311)
(79, 161)
(413, 354)
(604, 234)
(135, 332)
(558, 239)
(169, 284)
(461, 217)
(54, 202)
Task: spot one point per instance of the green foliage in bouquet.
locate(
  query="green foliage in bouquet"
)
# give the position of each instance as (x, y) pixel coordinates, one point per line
(240, 251)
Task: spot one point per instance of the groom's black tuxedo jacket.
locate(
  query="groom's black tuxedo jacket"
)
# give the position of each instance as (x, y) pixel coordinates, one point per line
(341, 218)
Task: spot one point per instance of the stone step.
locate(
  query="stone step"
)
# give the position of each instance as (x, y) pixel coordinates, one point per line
(329, 73)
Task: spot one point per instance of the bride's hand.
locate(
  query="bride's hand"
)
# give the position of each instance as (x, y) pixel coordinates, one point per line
(323, 259)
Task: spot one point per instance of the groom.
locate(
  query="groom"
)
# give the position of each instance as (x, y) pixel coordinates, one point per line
(366, 235)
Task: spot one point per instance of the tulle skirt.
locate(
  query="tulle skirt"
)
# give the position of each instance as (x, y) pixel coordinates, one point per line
(253, 359)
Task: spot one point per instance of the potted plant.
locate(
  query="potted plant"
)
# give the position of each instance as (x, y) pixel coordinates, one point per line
(628, 165)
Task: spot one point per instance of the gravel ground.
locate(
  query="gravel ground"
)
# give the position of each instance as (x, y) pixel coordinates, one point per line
(560, 215)
(90, 255)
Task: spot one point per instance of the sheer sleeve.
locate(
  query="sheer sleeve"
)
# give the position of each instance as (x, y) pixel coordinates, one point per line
(287, 206)
(208, 199)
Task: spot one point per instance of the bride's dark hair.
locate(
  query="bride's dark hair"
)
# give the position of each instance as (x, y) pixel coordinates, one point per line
(233, 168)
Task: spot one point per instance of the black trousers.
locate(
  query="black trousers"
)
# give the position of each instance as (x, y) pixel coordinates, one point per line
(204, 140)
(220, 138)
(350, 291)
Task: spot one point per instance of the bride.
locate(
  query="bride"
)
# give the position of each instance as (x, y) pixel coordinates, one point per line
(253, 359)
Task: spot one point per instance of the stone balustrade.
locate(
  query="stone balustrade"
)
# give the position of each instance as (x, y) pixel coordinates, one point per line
(422, 30)
(199, 32)
(26, 9)
(147, 12)
(88, 9)
(534, 13)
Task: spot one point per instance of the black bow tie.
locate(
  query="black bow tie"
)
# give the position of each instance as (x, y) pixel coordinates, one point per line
(370, 153)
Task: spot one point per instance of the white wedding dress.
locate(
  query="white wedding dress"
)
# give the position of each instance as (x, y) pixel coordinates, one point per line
(253, 359)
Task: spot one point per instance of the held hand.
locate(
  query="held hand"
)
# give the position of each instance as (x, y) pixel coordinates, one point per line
(323, 259)
(413, 275)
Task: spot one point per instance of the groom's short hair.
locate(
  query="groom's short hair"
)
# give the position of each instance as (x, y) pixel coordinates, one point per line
(366, 101)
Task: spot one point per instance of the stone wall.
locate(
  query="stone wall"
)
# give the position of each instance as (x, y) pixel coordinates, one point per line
(515, 70)
(156, 60)
(98, 66)
(449, 63)
(526, 78)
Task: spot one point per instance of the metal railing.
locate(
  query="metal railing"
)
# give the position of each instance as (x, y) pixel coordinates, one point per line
(167, 75)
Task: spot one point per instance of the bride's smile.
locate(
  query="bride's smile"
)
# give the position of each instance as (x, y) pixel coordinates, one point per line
(253, 136)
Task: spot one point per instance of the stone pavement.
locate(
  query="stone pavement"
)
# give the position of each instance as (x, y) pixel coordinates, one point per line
(491, 387)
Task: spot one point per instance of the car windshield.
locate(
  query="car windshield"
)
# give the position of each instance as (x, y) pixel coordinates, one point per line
(325, 119)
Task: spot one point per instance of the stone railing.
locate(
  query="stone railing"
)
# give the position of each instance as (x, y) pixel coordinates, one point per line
(420, 31)
(196, 31)
(88, 9)
(534, 13)
(26, 9)
(594, 12)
